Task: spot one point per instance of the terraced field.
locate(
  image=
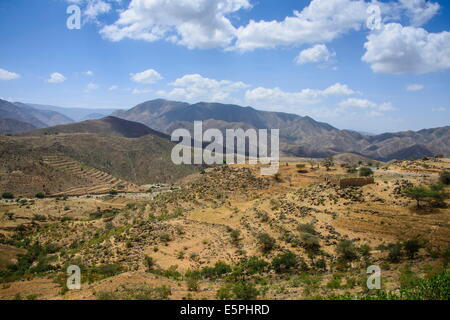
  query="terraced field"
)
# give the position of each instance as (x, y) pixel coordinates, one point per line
(97, 181)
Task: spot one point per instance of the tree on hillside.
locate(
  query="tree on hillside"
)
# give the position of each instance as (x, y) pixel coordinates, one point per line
(328, 163)
(412, 247)
(425, 194)
(444, 178)
(365, 172)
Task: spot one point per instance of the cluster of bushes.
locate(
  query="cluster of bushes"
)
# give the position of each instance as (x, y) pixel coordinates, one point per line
(34, 261)
(436, 287)
(137, 293)
(409, 248)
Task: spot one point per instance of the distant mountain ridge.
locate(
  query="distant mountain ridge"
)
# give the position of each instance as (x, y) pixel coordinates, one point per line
(77, 114)
(299, 136)
(108, 126)
(24, 114)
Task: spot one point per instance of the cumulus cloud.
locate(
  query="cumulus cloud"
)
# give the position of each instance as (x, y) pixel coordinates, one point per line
(195, 24)
(113, 87)
(365, 104)
(7, 75)
(321, 21)
(88, 73)
(194, 88)
(419, 12)
(147, 77)
(56, 77)
(318, 53)
(277, 98)
(399, 49)
(95, 8)
(414, 87)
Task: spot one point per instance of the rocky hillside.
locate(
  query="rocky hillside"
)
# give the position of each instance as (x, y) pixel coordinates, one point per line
(24, 169)
(300, 136)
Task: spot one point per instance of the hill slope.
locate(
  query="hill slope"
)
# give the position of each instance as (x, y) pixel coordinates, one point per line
(48, 117)
(299, 136)
(11, 111)
(110, 126)
(144, 160)
(8, 126)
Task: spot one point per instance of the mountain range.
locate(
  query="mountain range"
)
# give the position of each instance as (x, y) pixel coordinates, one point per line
(299, 136)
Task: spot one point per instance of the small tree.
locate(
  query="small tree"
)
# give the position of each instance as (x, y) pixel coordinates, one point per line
(149, 263)
(395, 252)
(40, 195)
(285, 262)
(347, 250)
(412, 246)
(328, 163)
(444, 178)
(416, 193)
(435, 193)
(266, 242)
(365, 172)
(7, 195)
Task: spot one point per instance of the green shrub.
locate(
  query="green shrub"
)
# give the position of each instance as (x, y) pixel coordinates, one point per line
(266, 242)
(40, 195)
(412, 247)
(307, 228)
(220, 269)
(444, 178)
(347, 250)
(192, 284)
(254, 265)
(149, 263)
(245, 290)
(285, 262)
(7, 195)
(235, 236)
(365, 172)
(395, 252)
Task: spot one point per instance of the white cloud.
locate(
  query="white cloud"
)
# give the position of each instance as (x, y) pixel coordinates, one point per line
(88, 73)
(147, 77)
(141, 91)
(95, 8)
(439, 109)
(195, 24)
(321, 21)
(414, 87)
(398, 49)
(279, 99)
(194, 88)
(7, 75)
(352, 103)
(419, 12)
(56, 77)
(318, 53)
(91, 87)
(113, 87)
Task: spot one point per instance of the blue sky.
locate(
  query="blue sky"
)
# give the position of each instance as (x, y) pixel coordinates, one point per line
(317, 58)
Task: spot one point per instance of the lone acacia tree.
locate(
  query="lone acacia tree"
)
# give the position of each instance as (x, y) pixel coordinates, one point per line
(424, 194)
(328, 163)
